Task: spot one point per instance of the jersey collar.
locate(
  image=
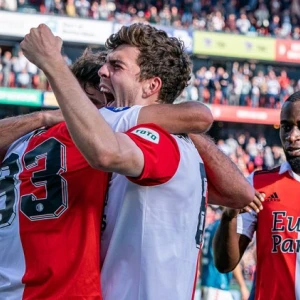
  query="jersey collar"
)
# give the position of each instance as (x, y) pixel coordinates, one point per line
(286, 167)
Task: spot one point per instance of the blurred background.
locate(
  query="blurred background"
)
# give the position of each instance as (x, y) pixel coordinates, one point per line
(245, 53)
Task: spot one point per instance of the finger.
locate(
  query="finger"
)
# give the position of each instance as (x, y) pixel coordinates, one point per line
(59, 41)
(32, 31)
(260, 196)
(246, 210)
(253, 206)
(44, 27)
(258, 203)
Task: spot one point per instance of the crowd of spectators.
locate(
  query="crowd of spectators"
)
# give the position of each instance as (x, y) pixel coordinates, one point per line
(17, 71)
(279, 18)
(251, 153)
(242, 85)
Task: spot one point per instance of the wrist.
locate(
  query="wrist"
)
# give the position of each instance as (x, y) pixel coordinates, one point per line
(229, 214)
(41, 118)
(56, 63)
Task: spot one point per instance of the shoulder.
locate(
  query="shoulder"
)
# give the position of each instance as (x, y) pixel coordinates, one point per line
(121, 118)
(160, 151)
(267, 172)
(265, 177)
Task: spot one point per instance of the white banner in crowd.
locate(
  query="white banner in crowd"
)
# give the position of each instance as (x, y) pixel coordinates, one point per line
(77, 30)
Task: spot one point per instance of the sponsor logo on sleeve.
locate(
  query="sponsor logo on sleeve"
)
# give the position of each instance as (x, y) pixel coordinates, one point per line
(147, 134)
(117, 109)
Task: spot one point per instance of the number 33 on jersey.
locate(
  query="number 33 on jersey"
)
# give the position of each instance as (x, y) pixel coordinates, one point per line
(50, 198)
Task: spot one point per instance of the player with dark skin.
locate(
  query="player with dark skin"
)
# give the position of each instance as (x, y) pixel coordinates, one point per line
(229, 246)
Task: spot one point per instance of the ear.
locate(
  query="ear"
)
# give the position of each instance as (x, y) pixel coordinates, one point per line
(151, 86)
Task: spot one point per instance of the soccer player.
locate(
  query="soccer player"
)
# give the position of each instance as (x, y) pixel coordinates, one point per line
(216, 285)
(50, 213)
(51, 200)
(158, 226)
(276, 225)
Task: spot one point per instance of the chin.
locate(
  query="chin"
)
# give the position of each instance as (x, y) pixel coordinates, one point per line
(294, 161)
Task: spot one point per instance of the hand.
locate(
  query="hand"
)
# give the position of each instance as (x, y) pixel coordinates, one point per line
(245, 293)
(52, 117)
(41, 47)
(256, 204)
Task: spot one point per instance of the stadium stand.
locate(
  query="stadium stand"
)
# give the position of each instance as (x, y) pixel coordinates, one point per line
(260, 83)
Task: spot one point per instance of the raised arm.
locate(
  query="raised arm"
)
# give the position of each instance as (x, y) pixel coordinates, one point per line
(13, 128)
(228, 245)
(193, 117)
(226, 184)
(101, 147)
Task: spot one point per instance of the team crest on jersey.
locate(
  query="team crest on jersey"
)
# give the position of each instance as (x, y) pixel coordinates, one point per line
(147, 134)
(117, 109)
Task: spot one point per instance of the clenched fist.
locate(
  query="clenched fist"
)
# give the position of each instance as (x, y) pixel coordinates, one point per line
(41, 47)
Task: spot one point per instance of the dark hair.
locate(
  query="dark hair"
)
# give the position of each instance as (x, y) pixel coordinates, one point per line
(294, 97)
(86, 67)
(160, 56)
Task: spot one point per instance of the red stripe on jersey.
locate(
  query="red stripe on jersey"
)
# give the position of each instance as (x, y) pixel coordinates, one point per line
(161, 154)
(196, 277)
(61, 205)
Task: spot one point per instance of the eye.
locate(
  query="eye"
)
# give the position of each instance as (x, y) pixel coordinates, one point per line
(286, 127)
(116, 66)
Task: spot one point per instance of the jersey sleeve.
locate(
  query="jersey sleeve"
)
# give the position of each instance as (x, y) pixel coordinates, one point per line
(161, 154)
(121, 119)
(17, 143)
(246, 222)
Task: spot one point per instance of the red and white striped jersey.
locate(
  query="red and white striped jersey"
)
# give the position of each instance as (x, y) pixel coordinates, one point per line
(154, 223)
(51, 204)
(277, 233)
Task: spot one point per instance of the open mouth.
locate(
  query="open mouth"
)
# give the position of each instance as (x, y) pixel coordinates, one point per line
(293, 151)
(108, 95)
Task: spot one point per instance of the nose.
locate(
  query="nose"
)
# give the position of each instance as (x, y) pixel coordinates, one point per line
(103, 71)
(294, 134)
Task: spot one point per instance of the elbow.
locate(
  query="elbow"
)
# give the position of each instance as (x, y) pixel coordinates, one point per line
(202, 118)
(209, 119)
(243, 198)
(103, 161)
(222, 266)
(246, 198)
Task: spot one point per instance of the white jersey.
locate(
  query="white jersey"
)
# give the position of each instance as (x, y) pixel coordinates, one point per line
(153, 233)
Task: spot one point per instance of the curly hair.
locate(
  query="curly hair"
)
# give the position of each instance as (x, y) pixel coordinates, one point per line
(160, 55)
(86, 67)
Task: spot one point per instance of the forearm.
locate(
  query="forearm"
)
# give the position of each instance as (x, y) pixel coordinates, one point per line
(187, 117)
(223, 174)
(226, 245)
(92, 135)
(238, 275)
(13, 128)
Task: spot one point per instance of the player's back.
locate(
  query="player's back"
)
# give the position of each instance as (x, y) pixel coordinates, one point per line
(154, 246)
(50, 225)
